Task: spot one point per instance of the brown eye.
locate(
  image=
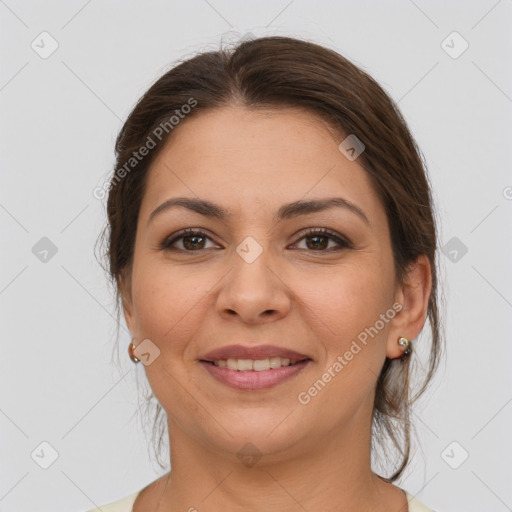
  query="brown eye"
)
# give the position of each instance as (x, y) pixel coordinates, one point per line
(318, 240)
(192, 240)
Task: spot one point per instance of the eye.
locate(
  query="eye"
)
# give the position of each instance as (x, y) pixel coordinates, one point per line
(320, 238)
(316, 239)
(192, 240)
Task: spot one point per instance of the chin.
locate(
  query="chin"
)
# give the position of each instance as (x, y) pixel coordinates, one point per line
(266, 435)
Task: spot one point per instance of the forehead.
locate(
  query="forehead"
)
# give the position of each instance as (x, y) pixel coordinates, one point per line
(249, 158)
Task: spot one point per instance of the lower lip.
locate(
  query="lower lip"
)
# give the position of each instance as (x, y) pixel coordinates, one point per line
(252, 379)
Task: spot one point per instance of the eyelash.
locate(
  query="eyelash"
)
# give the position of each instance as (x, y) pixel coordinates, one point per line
(166, 245)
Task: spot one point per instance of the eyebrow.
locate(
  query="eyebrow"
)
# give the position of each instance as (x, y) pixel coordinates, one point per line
(287, 211)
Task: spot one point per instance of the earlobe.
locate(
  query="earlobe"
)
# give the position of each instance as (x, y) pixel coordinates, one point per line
(414, 297)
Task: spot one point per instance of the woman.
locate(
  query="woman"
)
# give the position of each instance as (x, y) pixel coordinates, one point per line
(272, 242)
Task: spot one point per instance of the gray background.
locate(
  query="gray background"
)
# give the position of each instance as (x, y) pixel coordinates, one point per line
(60, 116)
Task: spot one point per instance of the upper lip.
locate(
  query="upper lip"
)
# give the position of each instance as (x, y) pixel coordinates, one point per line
(254, 352)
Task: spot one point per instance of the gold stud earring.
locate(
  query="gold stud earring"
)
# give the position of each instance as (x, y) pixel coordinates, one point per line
(131, 352)
(407, 346)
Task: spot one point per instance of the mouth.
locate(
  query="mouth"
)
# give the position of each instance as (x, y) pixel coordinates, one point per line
(254, 353)
(257, 365)
(253, 375)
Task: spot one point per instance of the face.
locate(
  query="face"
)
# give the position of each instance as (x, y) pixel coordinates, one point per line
(320, 283)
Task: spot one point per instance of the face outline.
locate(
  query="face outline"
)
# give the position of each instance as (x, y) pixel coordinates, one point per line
(188, 303)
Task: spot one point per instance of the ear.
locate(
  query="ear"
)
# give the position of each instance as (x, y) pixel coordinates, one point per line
(125, 289)
(414, 296)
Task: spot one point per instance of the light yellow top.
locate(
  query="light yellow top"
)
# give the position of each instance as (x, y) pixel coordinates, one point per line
(126, 504)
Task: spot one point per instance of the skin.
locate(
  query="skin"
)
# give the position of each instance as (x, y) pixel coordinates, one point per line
(313, 300)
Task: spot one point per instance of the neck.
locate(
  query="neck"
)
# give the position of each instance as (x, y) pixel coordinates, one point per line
(331, 474)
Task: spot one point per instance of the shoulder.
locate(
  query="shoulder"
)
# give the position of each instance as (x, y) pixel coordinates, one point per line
(415, 505)
(123, 505)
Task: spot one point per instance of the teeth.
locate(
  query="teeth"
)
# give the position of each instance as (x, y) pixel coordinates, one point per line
(251, 364)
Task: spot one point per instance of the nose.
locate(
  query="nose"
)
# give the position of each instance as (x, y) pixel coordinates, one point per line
(254, 292)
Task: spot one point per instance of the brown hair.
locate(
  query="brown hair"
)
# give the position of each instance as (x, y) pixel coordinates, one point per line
(279, 72)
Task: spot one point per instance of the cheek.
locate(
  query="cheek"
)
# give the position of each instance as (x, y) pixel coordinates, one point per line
(348, 299)
(350, 335)
(170, 303)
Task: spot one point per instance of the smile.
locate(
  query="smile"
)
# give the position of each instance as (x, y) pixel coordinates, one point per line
(249, 374)
(257, 365)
